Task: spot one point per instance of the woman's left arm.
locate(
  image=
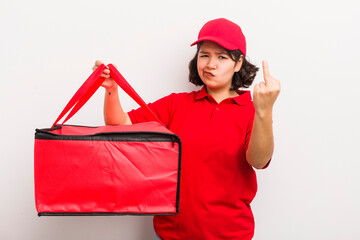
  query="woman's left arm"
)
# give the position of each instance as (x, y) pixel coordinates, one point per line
(261, 144)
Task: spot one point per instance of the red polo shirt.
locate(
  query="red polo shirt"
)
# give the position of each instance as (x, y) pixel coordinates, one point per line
(217, 184)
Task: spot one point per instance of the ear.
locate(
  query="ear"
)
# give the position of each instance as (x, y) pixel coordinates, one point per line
(238, 64)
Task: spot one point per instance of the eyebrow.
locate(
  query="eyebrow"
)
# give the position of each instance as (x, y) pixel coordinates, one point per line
(201, 51)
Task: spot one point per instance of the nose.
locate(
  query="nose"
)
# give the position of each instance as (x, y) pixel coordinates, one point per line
(211, 64)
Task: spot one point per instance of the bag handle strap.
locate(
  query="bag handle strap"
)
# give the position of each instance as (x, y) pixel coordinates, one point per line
(89, 87)
(120, 80)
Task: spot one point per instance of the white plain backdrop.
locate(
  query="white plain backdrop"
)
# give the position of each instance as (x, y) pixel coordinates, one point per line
(47, 49)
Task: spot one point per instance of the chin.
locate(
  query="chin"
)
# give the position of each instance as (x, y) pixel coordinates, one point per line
(211, 84)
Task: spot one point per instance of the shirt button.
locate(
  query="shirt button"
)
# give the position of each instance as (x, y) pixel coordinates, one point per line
(217, 109)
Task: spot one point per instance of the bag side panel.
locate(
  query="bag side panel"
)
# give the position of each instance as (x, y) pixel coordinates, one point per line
(106, 176)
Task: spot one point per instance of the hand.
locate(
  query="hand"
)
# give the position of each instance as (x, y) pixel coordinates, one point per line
(109, 83)
(265, 93)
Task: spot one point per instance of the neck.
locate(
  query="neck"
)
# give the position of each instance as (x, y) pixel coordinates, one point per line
(220, 94)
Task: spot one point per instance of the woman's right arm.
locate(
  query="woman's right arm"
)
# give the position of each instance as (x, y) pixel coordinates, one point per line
(113, 112)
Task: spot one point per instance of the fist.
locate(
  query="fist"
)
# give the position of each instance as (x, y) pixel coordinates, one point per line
(108, 83)
(265, 93)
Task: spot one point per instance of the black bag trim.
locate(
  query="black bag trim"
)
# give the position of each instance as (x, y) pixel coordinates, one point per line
(102, 214)
(120, 136)
(138, 136)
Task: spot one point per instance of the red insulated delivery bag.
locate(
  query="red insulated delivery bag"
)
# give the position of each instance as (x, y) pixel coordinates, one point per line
(106, 170)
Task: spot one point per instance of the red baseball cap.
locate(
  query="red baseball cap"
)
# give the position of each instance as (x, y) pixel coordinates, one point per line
(225, 33)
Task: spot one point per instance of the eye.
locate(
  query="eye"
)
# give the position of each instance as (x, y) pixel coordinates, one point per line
(222, 57)
(203, 55)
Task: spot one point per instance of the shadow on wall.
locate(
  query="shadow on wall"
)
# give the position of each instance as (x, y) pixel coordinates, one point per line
(94, 228)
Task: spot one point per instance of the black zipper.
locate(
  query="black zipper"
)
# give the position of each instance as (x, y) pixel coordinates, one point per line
(141, 136)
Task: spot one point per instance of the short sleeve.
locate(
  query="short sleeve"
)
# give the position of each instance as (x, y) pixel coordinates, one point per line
(248, 133)
(161, 107)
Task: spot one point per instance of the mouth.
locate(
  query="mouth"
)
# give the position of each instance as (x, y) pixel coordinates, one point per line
(208, 74)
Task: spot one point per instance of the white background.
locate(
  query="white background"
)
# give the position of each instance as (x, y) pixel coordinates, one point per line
(47, 50)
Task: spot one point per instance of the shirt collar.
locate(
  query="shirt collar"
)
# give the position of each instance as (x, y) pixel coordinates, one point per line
(243, 98)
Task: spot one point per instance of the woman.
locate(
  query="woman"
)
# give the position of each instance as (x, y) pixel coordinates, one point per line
(224, 135)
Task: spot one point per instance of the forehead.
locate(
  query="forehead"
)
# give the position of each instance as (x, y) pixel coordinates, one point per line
(212, 46)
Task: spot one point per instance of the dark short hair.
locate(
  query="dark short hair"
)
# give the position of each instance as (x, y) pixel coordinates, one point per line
(241, 79)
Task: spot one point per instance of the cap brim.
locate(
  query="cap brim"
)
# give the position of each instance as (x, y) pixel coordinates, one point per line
(219, 41)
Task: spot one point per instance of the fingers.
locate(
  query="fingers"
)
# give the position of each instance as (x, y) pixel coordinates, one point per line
(266, 70)
(97, 64)
(262, 85)
(259, 86)
(106, 73)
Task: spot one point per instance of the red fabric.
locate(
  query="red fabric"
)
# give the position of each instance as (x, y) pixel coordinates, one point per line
(120, 80)
(141, 127)
(106, 176)
(217, 184)
(89, 87)
(81, 169)
(225, 33)
(83, 94)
